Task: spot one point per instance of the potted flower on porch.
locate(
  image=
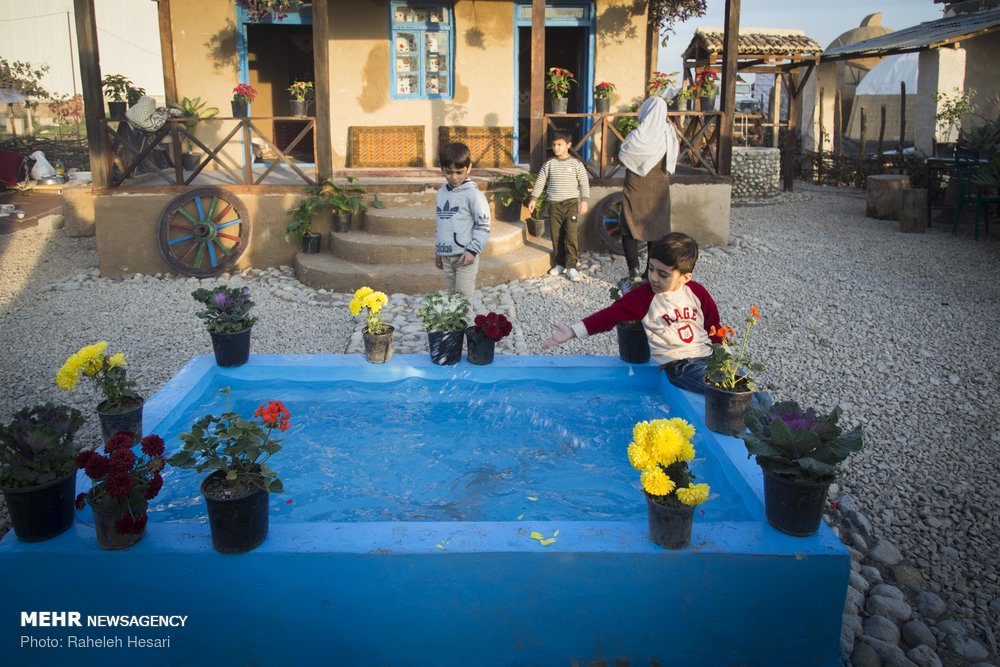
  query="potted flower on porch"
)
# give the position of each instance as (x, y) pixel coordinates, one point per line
(558, 84)
(121, 409)
(193, 109)
(302, 92)
(729, 387)
(116, 89)
(300, 225)
(602, 96)
(512, 191)
(633, 343)
(799, 451)
(123, 484)
(343, 200)
(659, 83)
(488, 330)
(661, 450)
(236, 450)
(444, 316)
(38, 470)
(229, 322)
(377, 334)
(243, 95)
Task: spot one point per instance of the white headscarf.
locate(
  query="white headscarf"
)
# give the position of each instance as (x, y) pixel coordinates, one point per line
(646, 145)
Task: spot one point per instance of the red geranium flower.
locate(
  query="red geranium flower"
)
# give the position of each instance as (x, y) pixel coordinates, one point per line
(274, 413)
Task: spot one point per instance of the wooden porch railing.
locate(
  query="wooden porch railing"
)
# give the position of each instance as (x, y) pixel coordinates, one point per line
(129, 148)
(697, 132)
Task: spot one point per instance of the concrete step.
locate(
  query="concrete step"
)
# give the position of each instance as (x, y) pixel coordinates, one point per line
(327, 271)
(369, 248)
(405, 221)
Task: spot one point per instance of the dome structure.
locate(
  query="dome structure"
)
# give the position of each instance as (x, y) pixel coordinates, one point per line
(850, 72)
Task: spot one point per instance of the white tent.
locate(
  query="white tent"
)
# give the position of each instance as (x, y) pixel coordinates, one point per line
(881, 86)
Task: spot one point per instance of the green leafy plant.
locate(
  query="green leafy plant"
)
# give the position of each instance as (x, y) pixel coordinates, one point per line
(515, 187)
(444, 312)
(194, 110)
(625, 124)
(559, 81)
(301, 90)
(729, 367)
(662, 15)
(952, 108)
(258, 10)
(349, 197)
(133, 93)
(239, 447)
(302, 218)
(116, 87)
(798, 444)
(988, 176)
(37, 445)
(604, 90)
(659, 82)
(227, 309)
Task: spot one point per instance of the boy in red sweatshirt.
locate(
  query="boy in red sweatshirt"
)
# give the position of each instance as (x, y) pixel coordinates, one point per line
(676, 312)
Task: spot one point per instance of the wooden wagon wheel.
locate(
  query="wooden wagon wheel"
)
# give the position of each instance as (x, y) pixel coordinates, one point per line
(203, 232)
(608, 221)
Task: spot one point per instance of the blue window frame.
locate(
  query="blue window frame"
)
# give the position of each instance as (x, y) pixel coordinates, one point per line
(423, 44)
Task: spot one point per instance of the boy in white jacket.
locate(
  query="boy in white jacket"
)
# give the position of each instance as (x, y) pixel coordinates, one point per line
(463, 221)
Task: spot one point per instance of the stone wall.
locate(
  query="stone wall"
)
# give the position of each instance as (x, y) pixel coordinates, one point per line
(756, 172)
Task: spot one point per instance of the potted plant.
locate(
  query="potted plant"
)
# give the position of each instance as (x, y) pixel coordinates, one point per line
(729, 386)
(123, 484)
(799, 451)
(702, 86)
(344, 200)
(236, 450)
(376, 334)
(276, 10)
(133, 93)
(243, 95)
(483, 336)
(194, 110)
(301, 224)
(38, 470)
(536, 222)
(558, 84)
(513, 192)
(116, 89)
(302, 92)
(229, 322)
(633, 344)
(952, 109)
(661, 450)
(602, 96)
(659, 83)
(444, 316)
(121, 409)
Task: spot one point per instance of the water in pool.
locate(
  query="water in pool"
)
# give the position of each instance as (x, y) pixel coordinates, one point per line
(455, 450)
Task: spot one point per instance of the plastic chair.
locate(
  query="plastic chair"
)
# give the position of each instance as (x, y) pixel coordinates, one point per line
(970, 193)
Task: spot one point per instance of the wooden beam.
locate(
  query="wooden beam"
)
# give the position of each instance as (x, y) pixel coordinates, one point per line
(321, 76)
(731, 56)
(537, 106)
(791, 139)
(652, 46)
(167, 51)
(93, 99)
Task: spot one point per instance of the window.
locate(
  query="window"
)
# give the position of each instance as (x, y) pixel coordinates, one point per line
(422, 63)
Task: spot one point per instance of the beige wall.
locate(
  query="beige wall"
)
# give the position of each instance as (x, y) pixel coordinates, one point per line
(620, 43)
(982, 73)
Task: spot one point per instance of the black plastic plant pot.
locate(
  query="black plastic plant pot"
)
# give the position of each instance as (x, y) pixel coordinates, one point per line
(670, 527)
(123, 420)
(116, 110)
(446, 346)
(341, 222)
(510, 212)
(725, 410)
(480, 348)
(41, 512)
(238, 523)
(378, 347)
(792, 506)
(633, 345)
(310, 243)
(231, 349)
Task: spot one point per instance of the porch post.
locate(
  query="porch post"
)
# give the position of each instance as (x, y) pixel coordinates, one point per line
(730, 56)
(537, 83)
(90, 84)
(321, 90)
(167, 51)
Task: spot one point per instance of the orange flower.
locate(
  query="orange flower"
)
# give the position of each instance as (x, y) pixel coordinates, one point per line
(273, 413)
(730, 331)
(754, 311)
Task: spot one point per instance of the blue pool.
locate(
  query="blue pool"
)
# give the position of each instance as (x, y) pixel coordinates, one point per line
(404, 534)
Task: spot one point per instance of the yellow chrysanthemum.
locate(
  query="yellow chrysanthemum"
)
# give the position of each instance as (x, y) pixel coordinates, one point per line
(687, 431)
(667, 442)
(116, 360)
(355, 306)
(362, 293)
(640, 434)
(639, 457)
(88, 360)
(656, 482)
(375, 301)
(694, 494)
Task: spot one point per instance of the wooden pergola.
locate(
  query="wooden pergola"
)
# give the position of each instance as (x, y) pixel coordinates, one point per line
(790, 55)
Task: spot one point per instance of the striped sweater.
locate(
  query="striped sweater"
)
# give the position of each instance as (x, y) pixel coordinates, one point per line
(566, 179)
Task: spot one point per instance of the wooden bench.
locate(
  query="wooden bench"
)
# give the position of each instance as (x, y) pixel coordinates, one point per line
(386, 146)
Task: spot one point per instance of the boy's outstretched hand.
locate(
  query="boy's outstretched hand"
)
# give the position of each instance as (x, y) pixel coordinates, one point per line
(562, 334)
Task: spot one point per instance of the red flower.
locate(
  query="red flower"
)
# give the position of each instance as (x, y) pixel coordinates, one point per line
(97, 466)
(122, 460)
(754, 311)
(120, 440)
(118, 484)
(81, 500)
(274, 414)
(480, 321)
(154, 486)
(130, 525)
(83, 457)
(152, 445)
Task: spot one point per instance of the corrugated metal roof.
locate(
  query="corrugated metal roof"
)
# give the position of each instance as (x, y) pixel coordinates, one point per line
(929, 35)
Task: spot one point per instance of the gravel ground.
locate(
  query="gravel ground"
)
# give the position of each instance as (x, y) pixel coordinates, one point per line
(893, 327)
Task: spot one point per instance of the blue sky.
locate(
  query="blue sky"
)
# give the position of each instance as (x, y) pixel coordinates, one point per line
(821, 20)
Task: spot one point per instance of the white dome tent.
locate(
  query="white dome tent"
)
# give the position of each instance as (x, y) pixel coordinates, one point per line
(881, 86)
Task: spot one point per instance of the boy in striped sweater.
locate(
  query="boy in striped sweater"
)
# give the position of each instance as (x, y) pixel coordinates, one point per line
(676, 312)
(568, 195)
